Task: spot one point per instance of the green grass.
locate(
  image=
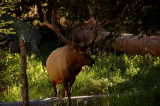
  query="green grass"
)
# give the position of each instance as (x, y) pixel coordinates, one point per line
(38, 80)
(135, 76)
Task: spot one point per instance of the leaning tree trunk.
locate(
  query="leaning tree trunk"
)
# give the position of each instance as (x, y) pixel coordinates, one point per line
(127, 43)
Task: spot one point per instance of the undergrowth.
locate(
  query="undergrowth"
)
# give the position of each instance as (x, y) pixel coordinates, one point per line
(135, 76)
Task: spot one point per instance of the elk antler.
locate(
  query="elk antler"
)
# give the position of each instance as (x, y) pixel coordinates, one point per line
(92, 18)
(96, 30)
(54, 28)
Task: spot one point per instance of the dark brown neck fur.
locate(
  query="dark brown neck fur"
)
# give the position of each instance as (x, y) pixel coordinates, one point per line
(75, 67)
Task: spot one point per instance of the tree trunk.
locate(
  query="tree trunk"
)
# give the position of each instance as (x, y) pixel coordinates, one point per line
(127, 43)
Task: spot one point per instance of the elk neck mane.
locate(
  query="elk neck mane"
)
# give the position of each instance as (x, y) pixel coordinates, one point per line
(72, 63)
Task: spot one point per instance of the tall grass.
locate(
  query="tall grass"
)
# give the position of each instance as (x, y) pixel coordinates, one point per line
(137, 77)
(38, 80)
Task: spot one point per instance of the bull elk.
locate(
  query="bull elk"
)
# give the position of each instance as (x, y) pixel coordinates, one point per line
(64, 63)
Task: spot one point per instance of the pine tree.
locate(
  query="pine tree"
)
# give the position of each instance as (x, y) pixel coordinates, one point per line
(5, 5)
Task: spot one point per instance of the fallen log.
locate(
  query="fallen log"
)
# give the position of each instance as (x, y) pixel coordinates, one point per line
(79, 34)
(138, 44)
(127, 43)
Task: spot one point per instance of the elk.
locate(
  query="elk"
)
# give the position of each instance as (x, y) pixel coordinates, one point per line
(65, 63)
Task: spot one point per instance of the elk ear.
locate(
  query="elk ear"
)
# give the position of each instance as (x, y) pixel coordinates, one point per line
(77, 50)
(74, 49)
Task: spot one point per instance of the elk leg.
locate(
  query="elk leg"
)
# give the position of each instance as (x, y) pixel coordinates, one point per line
(55, 87)
(63, 92)
(70, 84)
(70, 88)
(66, 87)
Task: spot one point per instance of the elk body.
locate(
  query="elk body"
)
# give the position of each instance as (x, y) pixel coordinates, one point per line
(64, 64)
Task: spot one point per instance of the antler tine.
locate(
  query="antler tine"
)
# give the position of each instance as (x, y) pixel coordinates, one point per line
(53, 19)
(46, 23)
(92, 18)
(102, 22)
(90, 11)
(45, 20)
(95, 26)
(95, 34)
(97, 29)
(100, 38)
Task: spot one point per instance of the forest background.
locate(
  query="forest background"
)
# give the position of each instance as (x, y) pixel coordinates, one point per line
(135, 74)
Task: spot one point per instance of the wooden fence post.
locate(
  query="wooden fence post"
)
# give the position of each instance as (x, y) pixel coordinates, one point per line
(23, 72)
